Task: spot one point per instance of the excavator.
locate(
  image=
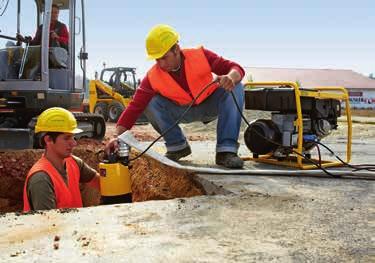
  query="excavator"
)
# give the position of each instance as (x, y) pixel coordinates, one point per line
(36, 77)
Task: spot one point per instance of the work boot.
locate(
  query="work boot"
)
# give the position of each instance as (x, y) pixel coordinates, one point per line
(229, 160)
(177, 155)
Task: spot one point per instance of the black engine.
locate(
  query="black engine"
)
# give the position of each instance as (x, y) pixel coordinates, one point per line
(278, 135)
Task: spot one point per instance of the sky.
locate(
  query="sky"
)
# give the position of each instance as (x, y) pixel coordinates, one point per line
(286, 34)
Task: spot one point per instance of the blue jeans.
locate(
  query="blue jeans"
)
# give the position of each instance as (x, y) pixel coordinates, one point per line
(163, 113)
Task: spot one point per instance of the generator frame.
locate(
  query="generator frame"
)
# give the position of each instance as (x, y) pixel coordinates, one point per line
(320, 92)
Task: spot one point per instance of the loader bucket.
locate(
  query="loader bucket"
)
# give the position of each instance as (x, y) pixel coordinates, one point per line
(16, 139)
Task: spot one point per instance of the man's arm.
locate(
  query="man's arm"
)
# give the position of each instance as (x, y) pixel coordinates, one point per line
(229, 72)
(120, 130)
(87, 173)
(63, 36)
(221, 66)
(36, 40)
(143, 95)
(40, 192)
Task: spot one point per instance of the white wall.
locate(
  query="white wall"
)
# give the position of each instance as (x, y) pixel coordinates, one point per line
(362, 99)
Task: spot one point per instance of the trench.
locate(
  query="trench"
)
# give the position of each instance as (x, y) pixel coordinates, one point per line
(151, 180)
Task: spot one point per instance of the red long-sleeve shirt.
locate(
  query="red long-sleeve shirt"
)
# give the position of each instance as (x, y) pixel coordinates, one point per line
(145, 93)
(63, 35)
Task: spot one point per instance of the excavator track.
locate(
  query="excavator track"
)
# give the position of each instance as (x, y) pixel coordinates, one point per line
(93, 125)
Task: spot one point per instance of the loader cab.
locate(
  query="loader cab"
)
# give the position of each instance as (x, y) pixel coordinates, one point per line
(121, 79)
(34, 77)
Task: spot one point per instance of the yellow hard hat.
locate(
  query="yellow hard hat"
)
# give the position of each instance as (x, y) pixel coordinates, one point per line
(159, 40)
(56, 119)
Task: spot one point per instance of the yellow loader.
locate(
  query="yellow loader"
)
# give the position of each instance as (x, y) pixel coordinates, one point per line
(112, 92)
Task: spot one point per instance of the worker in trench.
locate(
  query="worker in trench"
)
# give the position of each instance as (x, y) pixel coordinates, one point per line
(176, 78)
(53, 181)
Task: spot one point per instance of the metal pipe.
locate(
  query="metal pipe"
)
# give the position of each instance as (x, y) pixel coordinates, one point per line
(23, 61)
(84, 45)
(10, 38)
(18, 16)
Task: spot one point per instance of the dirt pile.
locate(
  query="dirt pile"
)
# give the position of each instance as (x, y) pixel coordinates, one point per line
(150, 180)
(13, 170)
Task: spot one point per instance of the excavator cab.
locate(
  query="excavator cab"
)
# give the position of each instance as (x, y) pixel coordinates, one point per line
(37, 76)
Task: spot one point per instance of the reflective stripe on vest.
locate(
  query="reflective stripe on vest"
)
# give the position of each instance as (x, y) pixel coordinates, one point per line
(198, 75)
(67, 196)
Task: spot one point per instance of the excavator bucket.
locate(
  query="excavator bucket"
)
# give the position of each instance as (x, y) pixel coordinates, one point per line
(16, 139)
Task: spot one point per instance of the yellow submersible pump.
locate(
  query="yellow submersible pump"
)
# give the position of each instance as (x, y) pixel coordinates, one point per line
(115, 183)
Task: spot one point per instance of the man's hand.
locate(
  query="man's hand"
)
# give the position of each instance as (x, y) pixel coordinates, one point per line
(226, 82)
(54, 36)
(111, 146)
(22, 38)
(229, 81)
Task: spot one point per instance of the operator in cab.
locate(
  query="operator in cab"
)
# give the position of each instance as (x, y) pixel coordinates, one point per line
(59, 35)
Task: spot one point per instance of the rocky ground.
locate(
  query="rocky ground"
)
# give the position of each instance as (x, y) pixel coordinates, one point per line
(150, 180)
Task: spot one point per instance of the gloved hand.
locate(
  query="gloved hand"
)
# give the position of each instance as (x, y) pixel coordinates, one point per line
(19, 37)
(28, 39)
(23, 39)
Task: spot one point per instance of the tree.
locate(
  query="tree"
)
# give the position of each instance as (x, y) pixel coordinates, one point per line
(371, 76)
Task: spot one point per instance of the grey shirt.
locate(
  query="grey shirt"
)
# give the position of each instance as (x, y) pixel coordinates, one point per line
(40, 191)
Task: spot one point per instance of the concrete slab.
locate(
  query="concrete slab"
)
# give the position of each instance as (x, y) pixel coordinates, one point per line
(265, 219)
(243, 219)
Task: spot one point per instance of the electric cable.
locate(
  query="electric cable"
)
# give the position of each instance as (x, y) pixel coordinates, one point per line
(319, 154)
(368, 167)
(5, 7)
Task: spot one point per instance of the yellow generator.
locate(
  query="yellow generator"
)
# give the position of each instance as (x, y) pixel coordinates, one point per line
(115, 181)
(300, 118)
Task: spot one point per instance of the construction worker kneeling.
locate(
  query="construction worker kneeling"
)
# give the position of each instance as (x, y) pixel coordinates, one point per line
(182, 79)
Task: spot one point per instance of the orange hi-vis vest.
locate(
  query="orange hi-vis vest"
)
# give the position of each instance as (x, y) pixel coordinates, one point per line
(67, 196)
(198, 75)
